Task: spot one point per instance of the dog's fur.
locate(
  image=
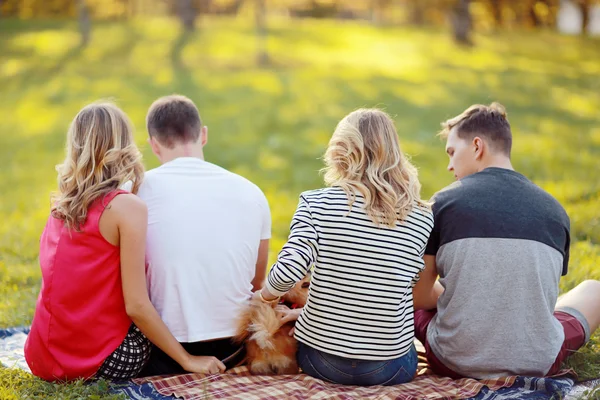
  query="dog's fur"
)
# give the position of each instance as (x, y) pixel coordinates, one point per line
(270, 350)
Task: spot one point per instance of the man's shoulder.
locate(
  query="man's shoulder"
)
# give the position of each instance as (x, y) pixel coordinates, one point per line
(155, 173)
(150, 177)
(455, 189)
(240, 182)
(549, 203)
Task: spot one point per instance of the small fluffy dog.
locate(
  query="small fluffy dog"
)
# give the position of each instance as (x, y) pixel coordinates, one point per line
(270, 350)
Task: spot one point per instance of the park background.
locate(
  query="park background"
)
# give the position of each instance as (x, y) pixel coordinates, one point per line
(271, 79)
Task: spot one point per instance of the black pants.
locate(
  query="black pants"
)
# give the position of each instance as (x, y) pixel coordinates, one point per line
(161, 364)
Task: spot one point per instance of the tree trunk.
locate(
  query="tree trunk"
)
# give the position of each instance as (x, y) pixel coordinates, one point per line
(417, 12)
(585, 15)
(377, 11)
(496, 6)
(130, 8)
(533, 17)
(462, 22)
(261, 32)
(187, 14)
(84, 22)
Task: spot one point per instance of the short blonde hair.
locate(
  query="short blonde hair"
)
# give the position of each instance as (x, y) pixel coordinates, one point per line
(101, 157)
(364, 157)
(489, 122)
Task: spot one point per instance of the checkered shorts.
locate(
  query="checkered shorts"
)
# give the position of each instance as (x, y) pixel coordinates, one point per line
(128, 359)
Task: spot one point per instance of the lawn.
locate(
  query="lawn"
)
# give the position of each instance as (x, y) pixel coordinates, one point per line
(272, 125)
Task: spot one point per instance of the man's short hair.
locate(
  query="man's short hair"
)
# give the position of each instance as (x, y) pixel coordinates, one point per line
(488, 122)
(174, 120)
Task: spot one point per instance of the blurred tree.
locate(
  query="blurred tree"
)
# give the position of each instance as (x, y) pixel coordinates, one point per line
(261, 31)
(315, 9)
(416, 11)
(228, 8)
(463, 16)
(462, 22)
(84, 21)
(532, 13)
(131, 7)
(187, 13)
(378, 10)
(584, 6)
(496, 10)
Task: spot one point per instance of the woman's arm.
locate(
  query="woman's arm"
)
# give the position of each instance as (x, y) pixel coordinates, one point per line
(132, 222)
(296, 256)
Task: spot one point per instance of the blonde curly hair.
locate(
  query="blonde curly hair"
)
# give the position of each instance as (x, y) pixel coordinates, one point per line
(364, 157)
(101, 157)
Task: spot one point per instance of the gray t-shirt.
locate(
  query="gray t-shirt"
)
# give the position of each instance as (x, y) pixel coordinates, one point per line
(501, 245)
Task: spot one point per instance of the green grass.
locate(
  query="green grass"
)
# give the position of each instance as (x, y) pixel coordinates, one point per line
(16, 385)
(272, 125)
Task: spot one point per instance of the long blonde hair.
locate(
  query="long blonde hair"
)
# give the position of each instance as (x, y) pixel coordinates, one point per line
(101, 157)
(364, 157)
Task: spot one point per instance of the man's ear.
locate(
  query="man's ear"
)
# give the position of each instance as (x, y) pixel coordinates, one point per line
(204, 135)
(155, 146)
(478, 147)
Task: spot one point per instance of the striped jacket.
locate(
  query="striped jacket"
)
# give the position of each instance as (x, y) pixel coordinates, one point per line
(360, 303)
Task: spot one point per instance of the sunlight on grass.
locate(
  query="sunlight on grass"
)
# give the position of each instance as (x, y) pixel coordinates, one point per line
(272, 125)
(46, 43)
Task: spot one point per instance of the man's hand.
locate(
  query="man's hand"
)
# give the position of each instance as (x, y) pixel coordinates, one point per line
(203, 365)
(427, 290)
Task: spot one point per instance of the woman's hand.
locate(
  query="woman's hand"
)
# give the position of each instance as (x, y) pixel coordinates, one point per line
(203, 365)
(286, 315)
(264, 296)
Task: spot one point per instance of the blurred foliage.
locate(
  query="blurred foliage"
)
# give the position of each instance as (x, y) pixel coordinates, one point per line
(488, 14)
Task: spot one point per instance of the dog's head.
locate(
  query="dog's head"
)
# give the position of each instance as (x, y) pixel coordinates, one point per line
(299, 293)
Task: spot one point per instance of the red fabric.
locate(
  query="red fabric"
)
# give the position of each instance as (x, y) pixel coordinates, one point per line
(574, 339)
(422, 320)
(80, 316)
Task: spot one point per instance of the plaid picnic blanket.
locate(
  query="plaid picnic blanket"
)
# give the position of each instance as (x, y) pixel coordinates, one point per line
(237, 383)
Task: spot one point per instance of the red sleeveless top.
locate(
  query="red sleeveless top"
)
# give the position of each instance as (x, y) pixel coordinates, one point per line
(80, 316)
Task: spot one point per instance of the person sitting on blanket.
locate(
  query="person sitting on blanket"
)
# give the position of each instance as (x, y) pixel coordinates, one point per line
(93, 315)
(207, 242)
(365, 235)
(500, 245)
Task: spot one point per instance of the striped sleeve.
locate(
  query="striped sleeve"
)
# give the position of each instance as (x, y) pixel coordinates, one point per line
(297, 256)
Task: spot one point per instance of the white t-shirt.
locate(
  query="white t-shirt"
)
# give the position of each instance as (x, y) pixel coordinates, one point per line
(205, 225)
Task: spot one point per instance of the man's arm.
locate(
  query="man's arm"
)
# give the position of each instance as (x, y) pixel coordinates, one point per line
(427, 290)
(261, 265)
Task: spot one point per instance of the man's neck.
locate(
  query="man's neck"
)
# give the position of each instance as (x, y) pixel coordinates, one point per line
(184, 150)
(497, 162)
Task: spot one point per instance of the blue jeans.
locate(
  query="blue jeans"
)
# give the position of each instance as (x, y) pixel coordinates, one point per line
(348, 371)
